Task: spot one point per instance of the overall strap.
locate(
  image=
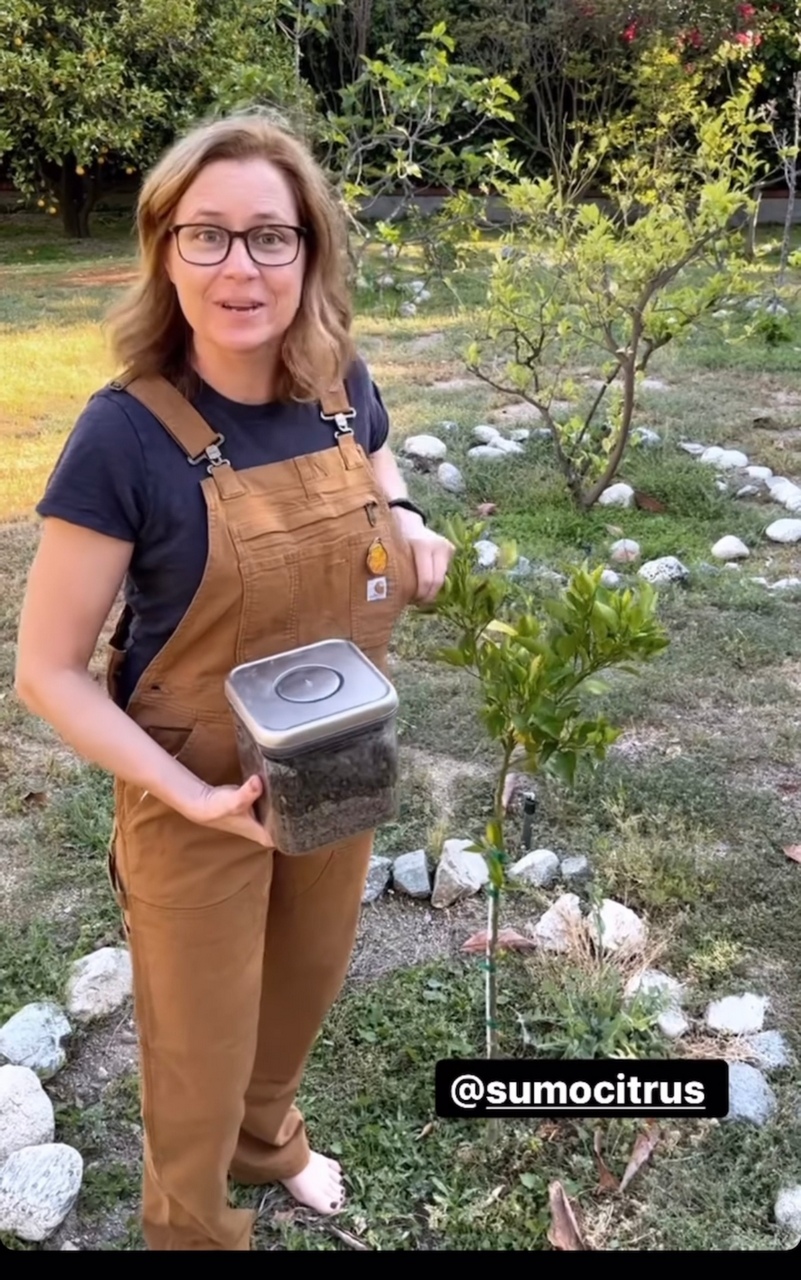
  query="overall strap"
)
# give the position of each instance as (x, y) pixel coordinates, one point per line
(194, 435)
(335, 407)
(178, 417)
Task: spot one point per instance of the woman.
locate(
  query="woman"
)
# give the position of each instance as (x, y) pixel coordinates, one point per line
(238, 480)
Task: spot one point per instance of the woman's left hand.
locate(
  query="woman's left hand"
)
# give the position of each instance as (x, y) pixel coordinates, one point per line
(432, 554)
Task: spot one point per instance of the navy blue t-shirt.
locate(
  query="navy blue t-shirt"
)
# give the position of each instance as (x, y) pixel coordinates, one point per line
(120, 473)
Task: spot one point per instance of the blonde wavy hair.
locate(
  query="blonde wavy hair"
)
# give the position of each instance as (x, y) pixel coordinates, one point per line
(148, 332)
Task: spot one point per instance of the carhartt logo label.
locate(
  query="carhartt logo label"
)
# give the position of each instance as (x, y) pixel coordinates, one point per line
(377, 589)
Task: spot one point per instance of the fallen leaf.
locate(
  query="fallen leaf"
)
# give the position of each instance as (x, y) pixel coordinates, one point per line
(508, 940)
(492, 1197)
(643, 1150)
(790, 788)
(426, 1130)
(284, 1215)
(793, 851)
(615, 531)
(564, 1232)
(38, 798)
(646, 502)
(606, 1179)
(486, 509)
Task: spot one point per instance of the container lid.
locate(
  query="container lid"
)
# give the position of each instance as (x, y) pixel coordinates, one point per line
(307, 696)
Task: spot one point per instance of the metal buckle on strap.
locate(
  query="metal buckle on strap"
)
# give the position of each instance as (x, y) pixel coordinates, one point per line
(341, 419)
(211, 455)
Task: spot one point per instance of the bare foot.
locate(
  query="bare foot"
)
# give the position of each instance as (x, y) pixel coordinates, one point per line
(319, 1185)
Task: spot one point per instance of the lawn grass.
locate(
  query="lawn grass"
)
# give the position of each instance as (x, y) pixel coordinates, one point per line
(685, 821)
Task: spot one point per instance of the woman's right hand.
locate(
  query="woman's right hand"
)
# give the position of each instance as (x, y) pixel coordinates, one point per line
(230, 809)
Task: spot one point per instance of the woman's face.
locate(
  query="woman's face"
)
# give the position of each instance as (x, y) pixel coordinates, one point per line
(237, 306)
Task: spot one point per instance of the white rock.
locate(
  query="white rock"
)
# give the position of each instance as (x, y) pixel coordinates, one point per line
(540, 867)
(416, 286)
(26, 1113)
(617, 495)
(786, 584)
(38, 1187)
(672, 1023)
(784, 531)
(695, 450)
(711, 455)
(385, 282)
(654, 384)
(520, 435)
(100, 983)
(486, 434)
(751, 1098)
(378, 875)
(759, 473)
(721, 486)
(624, 551)
(655, 982)
(647, 438)
(487, 453)
(487, 553)
(410, 874)
(782, 491)
(450, 477)
(575, 868)
(69, 1247)
(732, 460)
(554, 930)
(665, 570)
(32, 1038)
(610, 579)
(730, 548)
(407, 310)
(542, 433)
(737, 1014)
(507, 446)
(770, 1050)
(614, 927)
(747, 491)
(787, 1209)
(459, 874)
(427, 448)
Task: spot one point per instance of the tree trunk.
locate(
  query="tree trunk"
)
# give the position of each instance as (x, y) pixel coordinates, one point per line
(791, 173)
(78, 199)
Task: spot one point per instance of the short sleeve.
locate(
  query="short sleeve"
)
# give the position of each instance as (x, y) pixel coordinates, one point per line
(379, 420)
(99, 480)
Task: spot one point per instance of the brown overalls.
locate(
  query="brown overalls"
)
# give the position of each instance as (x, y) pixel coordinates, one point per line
(238, 951)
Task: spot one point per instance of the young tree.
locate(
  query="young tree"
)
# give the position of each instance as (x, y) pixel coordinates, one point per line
(604, 285)
(535, 677)
(90, 86)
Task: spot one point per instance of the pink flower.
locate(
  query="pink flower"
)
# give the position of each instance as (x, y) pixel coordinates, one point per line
(630, 32)
(746, 11)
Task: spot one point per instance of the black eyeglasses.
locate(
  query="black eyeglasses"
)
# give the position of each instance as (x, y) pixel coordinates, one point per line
(206, 246)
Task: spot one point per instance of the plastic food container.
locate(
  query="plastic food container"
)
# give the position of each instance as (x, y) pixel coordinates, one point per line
(319, 727)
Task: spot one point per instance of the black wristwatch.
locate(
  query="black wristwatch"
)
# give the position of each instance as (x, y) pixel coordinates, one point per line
(408, 506)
